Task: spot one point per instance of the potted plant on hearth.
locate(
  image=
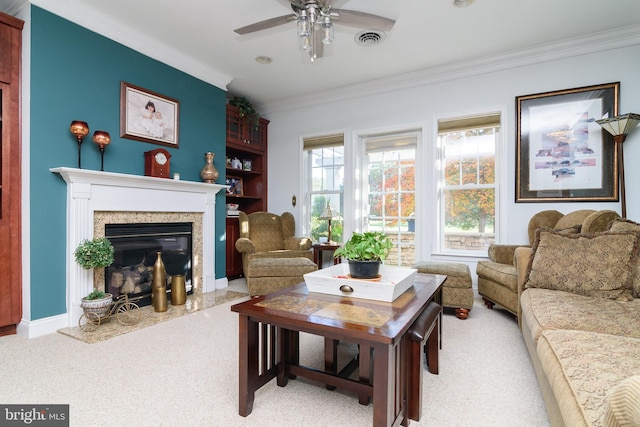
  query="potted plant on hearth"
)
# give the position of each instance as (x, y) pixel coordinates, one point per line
(97, 302)
(365, 253)
(96, 253)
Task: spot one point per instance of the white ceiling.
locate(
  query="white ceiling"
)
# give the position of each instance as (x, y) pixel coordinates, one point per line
(197, 36)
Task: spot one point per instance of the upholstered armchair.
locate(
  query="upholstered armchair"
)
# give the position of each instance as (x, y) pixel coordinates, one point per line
(266, 238)
(498, 278)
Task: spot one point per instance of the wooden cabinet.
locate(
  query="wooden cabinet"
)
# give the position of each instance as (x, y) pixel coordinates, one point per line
(246, 170)
(242, 132)
(10, 176)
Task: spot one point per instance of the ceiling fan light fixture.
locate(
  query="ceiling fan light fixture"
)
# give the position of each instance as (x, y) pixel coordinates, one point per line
(303, 24)
(327, 30)
(305, 44)
(315, 20)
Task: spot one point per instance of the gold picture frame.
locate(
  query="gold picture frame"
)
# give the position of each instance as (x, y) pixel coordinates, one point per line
(562, 154)
(148, 116)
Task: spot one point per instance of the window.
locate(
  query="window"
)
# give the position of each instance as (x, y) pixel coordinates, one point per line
(467, 183)
(391, 192)
(324, 160)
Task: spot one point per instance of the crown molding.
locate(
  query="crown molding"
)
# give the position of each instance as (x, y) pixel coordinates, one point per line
(13, 7)
(92, 19)
(113, 29)
(595, 42)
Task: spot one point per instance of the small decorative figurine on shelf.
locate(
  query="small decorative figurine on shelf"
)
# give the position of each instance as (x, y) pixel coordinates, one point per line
(236, 163)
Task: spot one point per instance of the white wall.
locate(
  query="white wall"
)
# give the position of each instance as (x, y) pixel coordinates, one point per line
(421, 104)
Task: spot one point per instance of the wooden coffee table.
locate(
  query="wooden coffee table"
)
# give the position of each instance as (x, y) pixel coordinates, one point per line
(269, 328)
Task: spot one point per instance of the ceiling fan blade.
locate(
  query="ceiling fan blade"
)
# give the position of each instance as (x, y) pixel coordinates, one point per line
(362, 20)
(267, 23)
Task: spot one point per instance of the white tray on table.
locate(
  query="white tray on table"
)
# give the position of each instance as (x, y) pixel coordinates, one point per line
(394, 281)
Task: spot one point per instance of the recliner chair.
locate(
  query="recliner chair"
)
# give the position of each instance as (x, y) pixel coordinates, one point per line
(272, 257)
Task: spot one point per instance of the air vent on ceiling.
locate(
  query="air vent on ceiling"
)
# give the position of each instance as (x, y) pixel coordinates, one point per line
(370, 37)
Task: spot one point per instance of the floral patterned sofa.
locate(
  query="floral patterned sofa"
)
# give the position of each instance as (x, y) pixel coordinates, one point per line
(580, 319)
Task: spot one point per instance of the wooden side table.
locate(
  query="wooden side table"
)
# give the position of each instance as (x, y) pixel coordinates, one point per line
(318, 248)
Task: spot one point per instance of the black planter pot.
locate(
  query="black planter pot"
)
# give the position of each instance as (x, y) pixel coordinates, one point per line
(364, 269)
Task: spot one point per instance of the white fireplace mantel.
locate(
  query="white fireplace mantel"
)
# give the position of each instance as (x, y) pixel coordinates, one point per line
(89, 191)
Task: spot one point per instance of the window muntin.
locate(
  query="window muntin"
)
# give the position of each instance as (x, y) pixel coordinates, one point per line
(467, 184)
(390, 192)
(325, 165)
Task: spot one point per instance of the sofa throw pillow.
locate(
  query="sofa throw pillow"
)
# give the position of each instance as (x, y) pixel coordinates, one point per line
(623, 224)
(599, 264)
(622, 404)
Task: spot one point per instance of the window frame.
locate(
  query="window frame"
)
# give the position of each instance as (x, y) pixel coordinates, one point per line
(439, 178)
(308, 145)
(388, 141)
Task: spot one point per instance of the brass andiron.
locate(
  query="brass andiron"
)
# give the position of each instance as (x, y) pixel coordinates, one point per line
(159, 285)
(178, 290)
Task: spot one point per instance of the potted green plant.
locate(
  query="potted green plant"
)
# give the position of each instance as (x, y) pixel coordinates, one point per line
(96, 253)
(97, 302)
(365, 253)
(246, 110)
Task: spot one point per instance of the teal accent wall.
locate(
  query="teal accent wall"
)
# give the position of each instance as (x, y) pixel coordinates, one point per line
(76, 75)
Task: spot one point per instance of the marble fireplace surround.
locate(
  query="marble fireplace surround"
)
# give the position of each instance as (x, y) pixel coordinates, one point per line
(94, 198)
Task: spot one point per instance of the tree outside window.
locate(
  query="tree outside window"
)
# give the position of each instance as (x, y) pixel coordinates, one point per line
(468, 196)
(391, 197)
(471, 209)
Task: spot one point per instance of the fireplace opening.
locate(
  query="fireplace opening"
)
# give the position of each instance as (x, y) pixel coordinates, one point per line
(135, 252)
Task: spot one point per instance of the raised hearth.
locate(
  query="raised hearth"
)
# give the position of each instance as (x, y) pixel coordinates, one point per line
(114, 196)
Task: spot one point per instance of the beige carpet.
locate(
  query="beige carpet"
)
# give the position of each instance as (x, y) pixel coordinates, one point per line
(183, 372)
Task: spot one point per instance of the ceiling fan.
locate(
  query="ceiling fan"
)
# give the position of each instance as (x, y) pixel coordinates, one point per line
(315, 19)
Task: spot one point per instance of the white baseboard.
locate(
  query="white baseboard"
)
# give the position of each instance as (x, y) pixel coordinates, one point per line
(222, 282)
(50, 325)
(40, 327)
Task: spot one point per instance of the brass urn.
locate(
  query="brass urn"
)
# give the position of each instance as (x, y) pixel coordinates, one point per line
(209, 173)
